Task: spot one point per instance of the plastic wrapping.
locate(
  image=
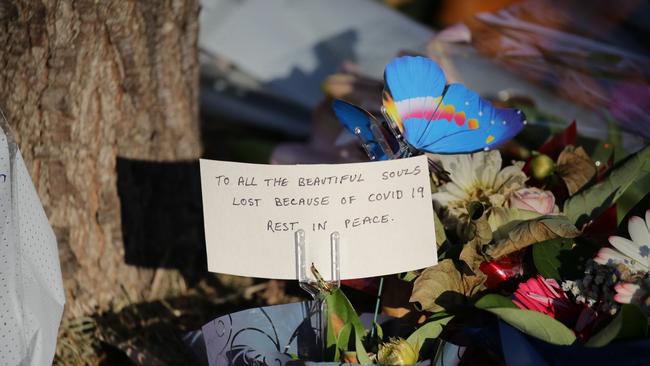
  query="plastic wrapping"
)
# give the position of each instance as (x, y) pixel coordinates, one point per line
(31, 301)
(271, 335)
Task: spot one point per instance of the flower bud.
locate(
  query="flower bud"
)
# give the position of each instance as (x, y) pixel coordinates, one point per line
(542, 167)
(397, 352)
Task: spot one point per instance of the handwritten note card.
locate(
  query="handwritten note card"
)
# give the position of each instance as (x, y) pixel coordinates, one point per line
(382, 211)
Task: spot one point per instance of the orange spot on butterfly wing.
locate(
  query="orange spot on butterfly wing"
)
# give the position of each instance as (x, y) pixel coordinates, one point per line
(472, 124)
(489, 139)
(459, 118)
(448, 112)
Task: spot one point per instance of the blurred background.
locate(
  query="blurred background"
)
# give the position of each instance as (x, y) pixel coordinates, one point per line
(274, 75)
(268, 73)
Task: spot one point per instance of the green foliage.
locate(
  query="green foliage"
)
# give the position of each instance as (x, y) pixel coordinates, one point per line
(428, 332)
(341, 314)
(593, 201)
(346, 334)
(530, 322)
(409, 276)
(639, 210)
(547, 254)
(490, 301)
(629, 323)
(441, 236)
(563, 258)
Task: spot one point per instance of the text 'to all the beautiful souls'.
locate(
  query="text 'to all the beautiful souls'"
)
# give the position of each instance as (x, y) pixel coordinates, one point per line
(245, 197)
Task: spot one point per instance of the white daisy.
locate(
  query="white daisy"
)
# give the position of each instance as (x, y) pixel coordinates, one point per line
(634, 253)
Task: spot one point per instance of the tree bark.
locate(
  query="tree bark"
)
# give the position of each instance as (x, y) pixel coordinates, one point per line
(82, 82)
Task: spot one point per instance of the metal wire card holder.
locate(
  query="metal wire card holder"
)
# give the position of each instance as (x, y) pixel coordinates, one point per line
(313, 282)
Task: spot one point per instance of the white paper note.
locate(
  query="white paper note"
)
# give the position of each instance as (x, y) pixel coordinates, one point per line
(382, 211)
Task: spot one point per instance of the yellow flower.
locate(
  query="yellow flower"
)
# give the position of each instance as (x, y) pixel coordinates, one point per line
(397, 352)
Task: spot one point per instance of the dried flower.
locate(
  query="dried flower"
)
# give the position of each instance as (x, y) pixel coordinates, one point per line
(475, 178)
(397, 352)
(635, 253)
(534, 199)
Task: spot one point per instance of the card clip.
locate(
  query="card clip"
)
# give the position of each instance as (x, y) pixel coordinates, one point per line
(313, 283)
(308, 276)
(365, 144)
(404, 149)
(378, 144)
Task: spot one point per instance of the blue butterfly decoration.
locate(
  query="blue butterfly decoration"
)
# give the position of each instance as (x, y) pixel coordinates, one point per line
(424, 114)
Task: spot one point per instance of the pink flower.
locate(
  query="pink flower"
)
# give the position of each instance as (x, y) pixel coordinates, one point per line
(634, 293)
(628, 293)
(546, 296)
(534, 199)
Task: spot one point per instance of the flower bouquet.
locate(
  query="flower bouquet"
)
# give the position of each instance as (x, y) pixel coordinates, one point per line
(520, 278)
(530, 253)
(533, 265)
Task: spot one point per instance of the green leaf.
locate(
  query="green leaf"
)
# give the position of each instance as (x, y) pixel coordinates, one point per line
(546, 256)
(409, 276)
(343, 341)
(535, 324)
(362, 355)
(639, 210)
(430, 330)
(631, 198)
(563, 259)
(441, 236)
(589, 204)
(524, 233)
(341, 313)
(629, 323)
(491, 301)
(379, 330)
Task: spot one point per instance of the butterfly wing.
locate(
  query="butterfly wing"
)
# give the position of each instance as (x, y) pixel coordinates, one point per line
(443, 119)
(413, 90)
(361, 123)
(467, 123)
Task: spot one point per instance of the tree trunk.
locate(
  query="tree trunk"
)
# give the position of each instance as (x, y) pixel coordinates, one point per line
(82, 82)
